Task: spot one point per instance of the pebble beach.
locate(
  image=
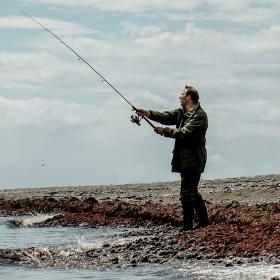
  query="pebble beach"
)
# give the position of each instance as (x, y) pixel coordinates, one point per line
(244, 214)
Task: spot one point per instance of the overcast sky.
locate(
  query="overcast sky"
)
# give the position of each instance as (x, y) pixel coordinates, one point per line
(61, 125)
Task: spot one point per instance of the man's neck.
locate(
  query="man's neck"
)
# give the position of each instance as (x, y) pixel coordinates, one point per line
(191, 107)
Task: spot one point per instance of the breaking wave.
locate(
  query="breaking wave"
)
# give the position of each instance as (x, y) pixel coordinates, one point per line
(30, 220)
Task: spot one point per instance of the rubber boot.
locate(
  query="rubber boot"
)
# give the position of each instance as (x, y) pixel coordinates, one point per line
(188, 215)
(201, 212)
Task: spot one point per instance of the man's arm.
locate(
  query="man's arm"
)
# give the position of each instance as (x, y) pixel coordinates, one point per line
(166, 118)
(196, 123)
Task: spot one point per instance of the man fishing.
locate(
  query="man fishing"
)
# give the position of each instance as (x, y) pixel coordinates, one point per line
(189, 154)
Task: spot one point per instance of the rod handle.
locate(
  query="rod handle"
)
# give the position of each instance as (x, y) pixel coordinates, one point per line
(145, 118)
(148, 121)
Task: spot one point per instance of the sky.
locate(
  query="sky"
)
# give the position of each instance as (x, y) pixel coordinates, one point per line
(61, 125)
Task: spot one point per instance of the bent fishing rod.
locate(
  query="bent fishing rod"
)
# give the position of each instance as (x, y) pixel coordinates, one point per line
(134, 118)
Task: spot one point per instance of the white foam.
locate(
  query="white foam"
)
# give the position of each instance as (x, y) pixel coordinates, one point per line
(84, 244)
(36, 219)
(260, 271)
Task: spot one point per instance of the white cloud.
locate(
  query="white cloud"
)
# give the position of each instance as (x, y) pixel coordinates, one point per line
(158, 5)
(251, 16)
(155, 61)
(58, 26)
(252, 119)
(153, 100)
(259, 111)
(40, 70)
(228, 5)
(123, 5)
(48, 112)
(239, 11)
(136, 30)
(217, 159)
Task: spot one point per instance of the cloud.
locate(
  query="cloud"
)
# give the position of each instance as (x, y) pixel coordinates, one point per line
(216, 159)
(58, 26)
(122, 5)
(250, 16)
(259, 111)
(159, 5)
(253, 119)
(136, 30)
(38, 70)
(152, 60)
(240, 11)
(48, 112)
(153, 100)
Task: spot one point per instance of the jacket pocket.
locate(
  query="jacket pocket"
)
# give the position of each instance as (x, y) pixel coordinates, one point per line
(187, 159)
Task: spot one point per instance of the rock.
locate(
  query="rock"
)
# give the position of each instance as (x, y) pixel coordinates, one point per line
(14, 256)
(191, 241)
(84, 224)
(202, 249)
(180, 255)
(163, 253)
(52, 199)
(191, 255)
(14, 223)
(145, 259)
(133, 262)
(91, 199)
(228, 264)
(239, 261)
(91, 254)
(115, 260)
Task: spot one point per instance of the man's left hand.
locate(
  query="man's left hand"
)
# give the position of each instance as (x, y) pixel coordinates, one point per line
(159, 130)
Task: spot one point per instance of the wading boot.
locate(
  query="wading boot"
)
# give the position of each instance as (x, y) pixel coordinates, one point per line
(188, 216)
(201, 212)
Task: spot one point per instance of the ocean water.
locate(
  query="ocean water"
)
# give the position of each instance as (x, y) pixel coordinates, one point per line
(79, 239)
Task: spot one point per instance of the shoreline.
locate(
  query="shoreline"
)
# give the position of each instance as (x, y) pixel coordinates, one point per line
(256, 189)
(244, 215)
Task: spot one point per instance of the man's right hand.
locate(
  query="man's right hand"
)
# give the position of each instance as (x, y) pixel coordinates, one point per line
(142, 112)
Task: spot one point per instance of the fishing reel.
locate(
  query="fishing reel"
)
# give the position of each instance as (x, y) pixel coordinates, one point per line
(136, 119)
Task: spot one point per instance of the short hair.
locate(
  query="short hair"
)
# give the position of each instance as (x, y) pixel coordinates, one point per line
(190, 90)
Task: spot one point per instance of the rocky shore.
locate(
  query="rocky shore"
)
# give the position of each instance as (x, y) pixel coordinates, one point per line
(244, 215)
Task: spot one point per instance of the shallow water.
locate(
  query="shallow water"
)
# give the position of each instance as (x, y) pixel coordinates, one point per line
(80, 239)
(22, 237)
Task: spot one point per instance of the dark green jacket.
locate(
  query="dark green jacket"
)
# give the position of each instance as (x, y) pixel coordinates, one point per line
(189, 149)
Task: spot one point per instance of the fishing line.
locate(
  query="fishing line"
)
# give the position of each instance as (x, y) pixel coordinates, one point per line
(134, 118)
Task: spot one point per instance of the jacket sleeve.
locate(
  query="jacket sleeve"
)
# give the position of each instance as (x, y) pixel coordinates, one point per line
(166, 118)
(197, 123)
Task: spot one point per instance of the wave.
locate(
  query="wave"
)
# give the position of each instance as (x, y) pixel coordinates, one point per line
(30, 220)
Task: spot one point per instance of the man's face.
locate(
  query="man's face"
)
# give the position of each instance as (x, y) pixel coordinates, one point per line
(183, 98)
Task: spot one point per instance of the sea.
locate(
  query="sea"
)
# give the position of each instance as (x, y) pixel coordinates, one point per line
(79, 239)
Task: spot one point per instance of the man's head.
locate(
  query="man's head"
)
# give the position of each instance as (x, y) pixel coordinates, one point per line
(189, 96)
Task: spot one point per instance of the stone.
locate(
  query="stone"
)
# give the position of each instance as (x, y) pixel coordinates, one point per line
(180, 255)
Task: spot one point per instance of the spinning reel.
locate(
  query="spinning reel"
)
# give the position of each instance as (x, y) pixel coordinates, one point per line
(135, 119)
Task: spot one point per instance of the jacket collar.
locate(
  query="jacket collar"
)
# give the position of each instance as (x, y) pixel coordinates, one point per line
(193, 110)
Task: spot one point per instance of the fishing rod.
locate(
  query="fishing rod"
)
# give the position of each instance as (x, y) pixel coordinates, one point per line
(134, 118)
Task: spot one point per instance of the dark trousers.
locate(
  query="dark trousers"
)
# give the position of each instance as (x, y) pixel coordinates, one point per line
(191, 200)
